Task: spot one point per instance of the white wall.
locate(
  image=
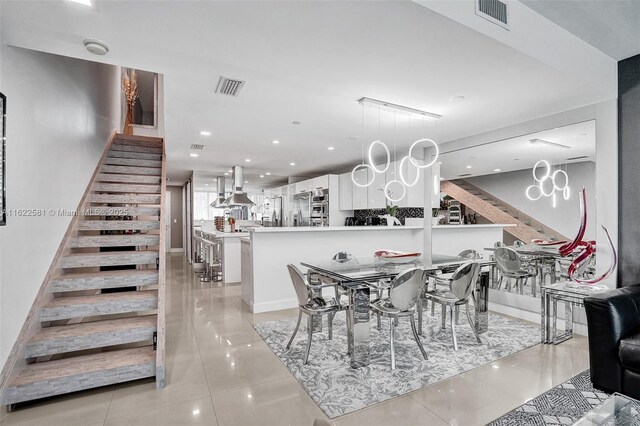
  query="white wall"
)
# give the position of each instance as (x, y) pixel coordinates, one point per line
(565, 218)
(61, 112)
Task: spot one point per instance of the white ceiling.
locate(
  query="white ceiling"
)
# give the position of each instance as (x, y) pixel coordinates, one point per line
(518, 153)
(612, 26)
(303, 61)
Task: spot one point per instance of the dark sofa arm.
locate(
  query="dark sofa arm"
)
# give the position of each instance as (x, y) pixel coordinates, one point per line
(610, 316)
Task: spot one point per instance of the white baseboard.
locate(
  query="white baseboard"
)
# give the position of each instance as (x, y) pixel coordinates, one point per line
(275, 305)
(176, 250)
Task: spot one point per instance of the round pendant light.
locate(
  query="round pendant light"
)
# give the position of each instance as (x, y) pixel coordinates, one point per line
(387, 191)
(372, 164)
(533, 192)
(555, 179)
(365, 167)
(547, 171)
(415, 162)
(401, 173)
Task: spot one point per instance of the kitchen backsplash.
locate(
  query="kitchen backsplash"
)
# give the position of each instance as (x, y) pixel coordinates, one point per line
(403, 212)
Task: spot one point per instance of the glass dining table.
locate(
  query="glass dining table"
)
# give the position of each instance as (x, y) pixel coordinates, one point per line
(358, 276)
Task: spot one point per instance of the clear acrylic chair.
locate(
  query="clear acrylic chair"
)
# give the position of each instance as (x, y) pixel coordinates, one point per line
(404, 292)
(461, 286)
(311, 303)
(509, 264)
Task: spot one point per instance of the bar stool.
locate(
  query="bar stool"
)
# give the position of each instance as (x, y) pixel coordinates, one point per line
(206, 277)
(215, 261)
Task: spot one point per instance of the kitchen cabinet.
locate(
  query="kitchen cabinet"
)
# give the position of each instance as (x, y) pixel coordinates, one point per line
(375, 191)
(346, 192)
(321, 182)
(360, 193)
(304, 186)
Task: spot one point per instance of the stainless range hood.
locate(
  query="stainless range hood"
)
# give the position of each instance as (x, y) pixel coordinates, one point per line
(219, 202)
(238, 198)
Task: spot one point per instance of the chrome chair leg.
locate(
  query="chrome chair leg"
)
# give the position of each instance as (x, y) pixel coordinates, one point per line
(349, 332)
(444, 315)
(457, 314)
(419, 308)
(473, 327)
(295, 330)
(453, 330)
(330, 320)
(310, 336)
(391, 343)
(417, 337)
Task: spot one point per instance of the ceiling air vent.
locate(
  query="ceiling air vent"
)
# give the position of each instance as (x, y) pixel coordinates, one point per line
(494, 11)
(197, 146)
(582, 157)
(229, 86)
(465, 175)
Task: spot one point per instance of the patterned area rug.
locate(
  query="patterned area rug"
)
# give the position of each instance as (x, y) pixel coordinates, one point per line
(563, 405)
(339, 389)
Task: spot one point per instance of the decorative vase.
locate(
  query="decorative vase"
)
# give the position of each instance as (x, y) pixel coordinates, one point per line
(233, 227)
(227, 227)
(128, 128)
(435, 221)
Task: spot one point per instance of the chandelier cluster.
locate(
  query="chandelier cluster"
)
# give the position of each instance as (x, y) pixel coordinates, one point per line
(400, 179)
(548, 182)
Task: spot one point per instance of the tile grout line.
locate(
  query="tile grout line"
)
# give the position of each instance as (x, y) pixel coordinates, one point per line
(106, 415)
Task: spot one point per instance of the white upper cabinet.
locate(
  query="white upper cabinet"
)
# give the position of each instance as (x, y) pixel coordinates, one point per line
(321, 182)
(346, 192)
(360, 193)
(304, 186)
(375, 191)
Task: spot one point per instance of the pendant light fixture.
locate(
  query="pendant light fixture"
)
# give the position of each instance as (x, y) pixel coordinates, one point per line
(364, 166)
(399, 179)
(548, 182)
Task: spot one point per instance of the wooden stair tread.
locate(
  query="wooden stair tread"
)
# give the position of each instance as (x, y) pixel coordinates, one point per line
(124, 178)
(104, 279)
(105, 326)
(121, 225)
(135, 155)
(128, 188)
(101, 210)
(117, 161)
(138, 140)
(52, 370)
(132, 170)
(125, 198)
(115, 240)
(102, 298)
(109, 258)
(136, 148)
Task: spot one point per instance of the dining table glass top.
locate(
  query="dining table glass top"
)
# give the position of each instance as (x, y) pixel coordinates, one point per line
(373, 268)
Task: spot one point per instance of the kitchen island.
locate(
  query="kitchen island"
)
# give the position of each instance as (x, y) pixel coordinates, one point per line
(266, 285)
(230, 252)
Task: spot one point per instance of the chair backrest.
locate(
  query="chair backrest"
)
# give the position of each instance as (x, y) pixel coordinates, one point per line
(300, 286)
(468, 255)
(498, 244)
(463, 280)
(507, 260)
(344, 257)
(518, 243)
(406, 288)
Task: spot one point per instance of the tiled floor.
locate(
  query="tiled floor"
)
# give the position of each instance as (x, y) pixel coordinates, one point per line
(220, 372)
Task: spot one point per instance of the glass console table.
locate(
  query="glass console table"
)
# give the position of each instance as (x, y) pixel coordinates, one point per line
(616, 410)
(569, 293)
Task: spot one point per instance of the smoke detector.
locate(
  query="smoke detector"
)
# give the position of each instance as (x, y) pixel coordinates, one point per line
(96, 47)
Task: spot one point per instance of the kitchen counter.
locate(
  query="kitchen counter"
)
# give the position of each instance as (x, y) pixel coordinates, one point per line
(333, 229)
(218, 234)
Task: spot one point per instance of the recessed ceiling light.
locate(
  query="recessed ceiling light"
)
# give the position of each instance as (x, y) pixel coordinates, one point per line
(83, 2)
(261, 176)
(226, 173)
(248, 160)
(246, 181)
(193, 154)
(468, 167)
(497, 170)
(331, 148)
(441, 178)
(439, 162)
(295, 123)
(205, 133)
(230, 171)
(268, 173)
(206, 184)
(275, 142)
(292, 164)
(195, 412)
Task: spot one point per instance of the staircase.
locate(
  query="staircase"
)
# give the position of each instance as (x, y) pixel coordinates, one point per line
(99, 316)
(497, 211)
